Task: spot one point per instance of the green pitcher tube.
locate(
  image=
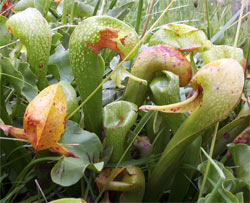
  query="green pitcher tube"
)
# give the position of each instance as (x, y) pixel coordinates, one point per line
(88, 38)
(151, 60)
(34, 32)
(213, 100)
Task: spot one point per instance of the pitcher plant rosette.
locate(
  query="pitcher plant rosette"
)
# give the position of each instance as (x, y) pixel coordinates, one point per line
(130, 117)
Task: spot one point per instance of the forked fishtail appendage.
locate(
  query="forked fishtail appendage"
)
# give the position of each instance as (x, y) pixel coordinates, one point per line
(16, 132)
(62, 150)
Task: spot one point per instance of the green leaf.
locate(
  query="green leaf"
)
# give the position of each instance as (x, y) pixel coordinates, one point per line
(185, 172)
(246, 50)
(23, 4)
(41, 5)
(217, 168)
(122, 73)
(69, 171)
(219, 189)
(9, 69)
(165, 90)
(222, 51)
(82, 9)
(215, 173)
(4, 35)
(38, 4)
(72, 103)
(219, 194)
(4, 115)
(30, 78)
(120, 12)
(56, 37)
(241, 154)
(182, 37)
(118, 118)
(229, 132)
(61, 59)
(54, 70)
(240, 197)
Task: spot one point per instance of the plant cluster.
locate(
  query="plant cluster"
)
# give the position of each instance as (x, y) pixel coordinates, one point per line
(109, 106)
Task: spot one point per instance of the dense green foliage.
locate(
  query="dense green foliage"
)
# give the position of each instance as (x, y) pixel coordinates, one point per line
(116, 60)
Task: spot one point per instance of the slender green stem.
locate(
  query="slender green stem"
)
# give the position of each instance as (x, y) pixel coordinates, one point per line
(237, 21)
(15, 190)
(138, 17)
(247, 59)
(47, 8)
(208, 21)
(89, 188)
(217, 168)
(125, 58)
(214, 191)
(113, 3)
(33, 162)
(6, 45)
(181, 13)
(209, 163)
(16, 149)
(26, 169)
(63, 26)
(157, 136)
(64, 12)
(72, 11)
(51, 189)
(96, 7)
(20, 80)
(14, 160)
(9, 95)
(224, 159)
(150, 8)
(83, 187)
(54, 13)
(239, 24)
(137, 130)
(171, 9)
(13, 139)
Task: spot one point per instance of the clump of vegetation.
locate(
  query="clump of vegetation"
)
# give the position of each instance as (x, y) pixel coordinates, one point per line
(137, 101)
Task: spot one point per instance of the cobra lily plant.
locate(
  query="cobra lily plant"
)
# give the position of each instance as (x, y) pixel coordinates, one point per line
(130, 117)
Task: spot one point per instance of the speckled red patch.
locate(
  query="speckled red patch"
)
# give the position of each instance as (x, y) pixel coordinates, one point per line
(106, 41)
(174, 109)
(123, 40)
